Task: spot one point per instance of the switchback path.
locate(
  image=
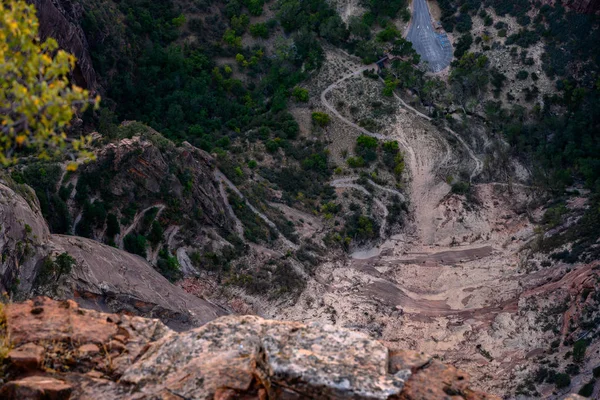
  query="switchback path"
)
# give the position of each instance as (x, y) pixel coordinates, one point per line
(137, 219)
(478, 163)
(350, 179)
(221, 178)
(379, 203)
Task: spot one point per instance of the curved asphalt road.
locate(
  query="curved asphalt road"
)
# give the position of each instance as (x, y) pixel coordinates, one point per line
(425, 40)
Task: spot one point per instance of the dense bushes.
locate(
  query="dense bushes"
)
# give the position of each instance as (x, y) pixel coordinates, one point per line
(320, 118)
(361, 227)
(135, 244)
(463, 45)
(52, 270)
(385, 8)
(44, 179)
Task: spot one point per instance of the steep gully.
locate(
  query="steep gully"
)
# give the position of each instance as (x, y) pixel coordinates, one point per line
(347, 182)
(421, 182)
(426, 194)
(222, 179)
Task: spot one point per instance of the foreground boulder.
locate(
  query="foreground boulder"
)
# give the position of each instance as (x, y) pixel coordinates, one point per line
(60, 350)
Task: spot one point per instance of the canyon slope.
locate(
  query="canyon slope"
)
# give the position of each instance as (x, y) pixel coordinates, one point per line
(407, 225)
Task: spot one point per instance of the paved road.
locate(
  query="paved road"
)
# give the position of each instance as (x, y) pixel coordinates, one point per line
(425, 40)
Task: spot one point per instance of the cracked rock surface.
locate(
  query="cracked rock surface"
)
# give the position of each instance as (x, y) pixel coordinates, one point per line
(90, 354)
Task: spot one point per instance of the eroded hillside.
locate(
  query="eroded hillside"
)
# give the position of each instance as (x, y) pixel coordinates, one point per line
(298, 161)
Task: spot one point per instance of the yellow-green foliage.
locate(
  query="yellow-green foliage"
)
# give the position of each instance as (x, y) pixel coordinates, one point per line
(321, 118)
(5, 345)
(37, 101)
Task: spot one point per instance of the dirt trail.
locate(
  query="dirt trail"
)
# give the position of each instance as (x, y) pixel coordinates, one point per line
(451, 282)
(423, 159)
(239, 227)
(221, 178)
(335, 112)
(375, 200)
(136, 220)
(478, 163)
(353, 178)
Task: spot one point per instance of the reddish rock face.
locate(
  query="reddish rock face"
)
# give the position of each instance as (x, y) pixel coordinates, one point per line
(28, 356)
(98, 280)
(36, 387)
(89, 354)
(44, 319)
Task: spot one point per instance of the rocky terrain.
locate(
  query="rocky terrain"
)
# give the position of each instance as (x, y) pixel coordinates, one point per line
(460, 278)
(447, 245)
(583, 6)
(61, 20)
(58, 350)
(100, 277)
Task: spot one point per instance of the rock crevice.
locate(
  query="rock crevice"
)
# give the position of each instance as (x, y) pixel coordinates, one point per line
(64, 351)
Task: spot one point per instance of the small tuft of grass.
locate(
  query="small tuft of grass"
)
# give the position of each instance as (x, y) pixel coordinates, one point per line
(5, 342)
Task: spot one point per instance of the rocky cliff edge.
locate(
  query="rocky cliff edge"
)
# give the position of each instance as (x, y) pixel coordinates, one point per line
(103, 277)
(59, 350)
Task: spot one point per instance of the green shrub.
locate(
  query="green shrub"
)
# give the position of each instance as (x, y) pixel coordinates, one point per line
(321, 119)
(355, 162)
(54, 269)
(112, 226)
(388, 34)
(522, 75)
(259, 30)
(588, 389)
(135, 244)
(178, 21)
(461, 187)
(579, 349)
(399, 165)
(156, 234)
(562, 380)
(300, 94)
(367, 142)
(391, 146)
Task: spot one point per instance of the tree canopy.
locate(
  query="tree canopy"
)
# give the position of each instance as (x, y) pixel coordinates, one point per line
(37, 101)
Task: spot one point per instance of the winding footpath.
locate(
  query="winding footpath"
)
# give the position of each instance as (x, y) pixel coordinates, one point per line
(350, 179)
(478, 163)
(222, 179)
(137, 219)
(336, 112)
(424, 191)
(379, 203)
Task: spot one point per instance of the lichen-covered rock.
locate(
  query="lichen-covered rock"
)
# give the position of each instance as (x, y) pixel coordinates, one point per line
(313, 361)
(107, 356)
